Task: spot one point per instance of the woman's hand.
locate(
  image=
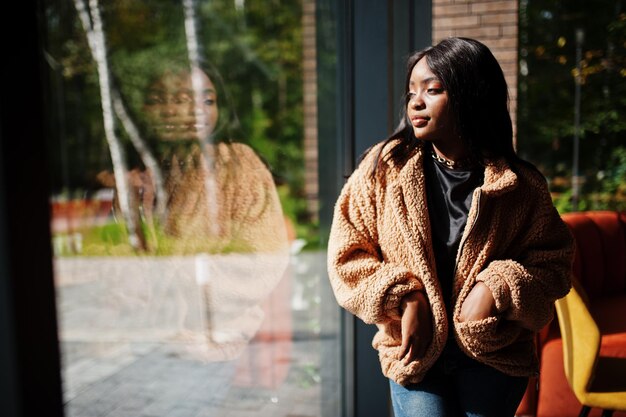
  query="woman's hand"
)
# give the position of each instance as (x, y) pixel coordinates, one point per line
(479, 304)
(416, 326)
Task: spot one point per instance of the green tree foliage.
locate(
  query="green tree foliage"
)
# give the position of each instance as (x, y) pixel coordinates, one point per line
(255, 45)
(546, 96)
(257, 48)
(77, 146)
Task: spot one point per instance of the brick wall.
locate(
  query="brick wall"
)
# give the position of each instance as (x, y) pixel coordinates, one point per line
(493, 22)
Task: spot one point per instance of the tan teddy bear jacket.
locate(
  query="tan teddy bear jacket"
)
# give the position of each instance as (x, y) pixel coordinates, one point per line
(515, 242)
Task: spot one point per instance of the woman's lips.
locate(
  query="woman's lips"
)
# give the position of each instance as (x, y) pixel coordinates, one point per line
(171, 131)
(182, 127)
(419, 121)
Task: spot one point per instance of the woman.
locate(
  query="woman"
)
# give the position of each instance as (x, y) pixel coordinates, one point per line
(450, 244)
(219, 192)
(223, 229)
(216, 194)
(222, 200)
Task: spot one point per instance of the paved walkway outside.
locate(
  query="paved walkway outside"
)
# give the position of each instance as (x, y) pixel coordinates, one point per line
(291, 370)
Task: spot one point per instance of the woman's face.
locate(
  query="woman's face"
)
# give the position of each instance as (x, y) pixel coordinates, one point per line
(173, 111)
(427, 108)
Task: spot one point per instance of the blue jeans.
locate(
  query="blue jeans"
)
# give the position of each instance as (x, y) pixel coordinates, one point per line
(459, 386)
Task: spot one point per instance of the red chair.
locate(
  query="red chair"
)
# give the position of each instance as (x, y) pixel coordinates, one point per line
(600, 267)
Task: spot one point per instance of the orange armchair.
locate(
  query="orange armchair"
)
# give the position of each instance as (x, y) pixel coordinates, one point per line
(600, 269)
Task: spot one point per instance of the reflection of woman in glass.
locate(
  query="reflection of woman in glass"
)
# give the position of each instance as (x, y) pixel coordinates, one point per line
(221, 197)
(221, 206)
(450, 244)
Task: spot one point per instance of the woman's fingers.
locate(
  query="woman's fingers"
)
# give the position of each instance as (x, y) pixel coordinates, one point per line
(408, 358)
(421, 350)
(405, 345)
(415, 327)
(416, 350)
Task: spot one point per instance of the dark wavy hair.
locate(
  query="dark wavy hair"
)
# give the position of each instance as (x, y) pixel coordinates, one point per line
(478, 99)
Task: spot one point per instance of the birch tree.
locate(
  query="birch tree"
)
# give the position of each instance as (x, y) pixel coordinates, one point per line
(144, 153)
(193, 51)
(91, 21)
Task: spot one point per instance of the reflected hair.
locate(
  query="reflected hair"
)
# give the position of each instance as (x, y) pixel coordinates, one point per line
(478, 101)
(228, 123)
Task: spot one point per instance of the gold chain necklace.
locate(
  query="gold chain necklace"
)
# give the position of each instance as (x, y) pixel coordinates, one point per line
(462, 164)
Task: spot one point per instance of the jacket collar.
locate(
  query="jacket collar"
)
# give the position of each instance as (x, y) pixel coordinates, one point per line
(499, 177)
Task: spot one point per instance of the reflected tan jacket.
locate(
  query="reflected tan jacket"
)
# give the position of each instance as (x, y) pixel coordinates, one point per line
(515, 242)
(243, 214)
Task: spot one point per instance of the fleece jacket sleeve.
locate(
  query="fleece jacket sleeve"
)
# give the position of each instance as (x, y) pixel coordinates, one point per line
(362, 281)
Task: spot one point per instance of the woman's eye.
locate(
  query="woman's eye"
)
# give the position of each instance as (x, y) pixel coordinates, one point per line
(154, 99)
(209, 101)
(183, 98)
(435, 90)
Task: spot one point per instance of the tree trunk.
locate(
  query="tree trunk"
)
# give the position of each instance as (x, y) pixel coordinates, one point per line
(144, 153)
(97, 45)
(206, 143)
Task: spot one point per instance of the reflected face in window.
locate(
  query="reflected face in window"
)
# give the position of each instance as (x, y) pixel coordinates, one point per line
(173, 111)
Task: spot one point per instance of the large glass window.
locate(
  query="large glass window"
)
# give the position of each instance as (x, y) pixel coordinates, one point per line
(189, 272)
(571, 99)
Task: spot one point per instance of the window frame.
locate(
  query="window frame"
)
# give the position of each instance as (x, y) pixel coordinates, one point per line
(373, 39)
